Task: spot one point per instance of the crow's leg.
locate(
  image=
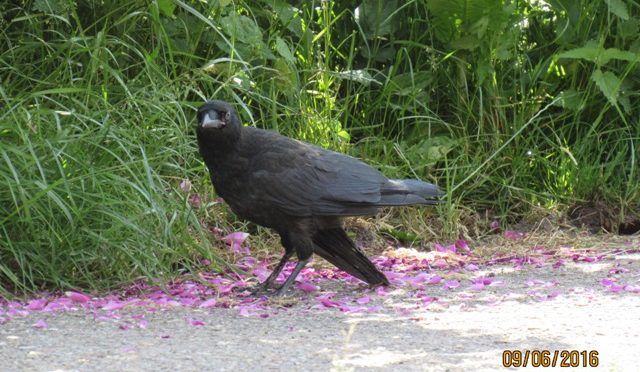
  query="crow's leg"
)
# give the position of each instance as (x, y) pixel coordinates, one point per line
(301, 243)
(269, 282)
(285, 287)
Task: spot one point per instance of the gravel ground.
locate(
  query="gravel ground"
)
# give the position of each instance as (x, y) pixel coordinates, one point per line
(461, 332)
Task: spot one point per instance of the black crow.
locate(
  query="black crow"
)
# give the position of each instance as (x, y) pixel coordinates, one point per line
(300, 190)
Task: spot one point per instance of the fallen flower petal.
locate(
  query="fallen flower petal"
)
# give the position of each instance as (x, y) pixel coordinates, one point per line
(40, 324)
(195, 322)
(37, 304)
(471, 267)
(450, 284)
(307, 287)
(363, 300)
(185, 185)
(209, 303)
(514, 235)
(77, 296)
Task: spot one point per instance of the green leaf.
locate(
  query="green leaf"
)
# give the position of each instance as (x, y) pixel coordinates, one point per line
(408, 83)
(619, 8)
(468, 42)
(599, 55)
(167, 7)
(241, 28)
(360, 76)
(377, 17)
(283, 49)
(590, 53)
(614, 53)
(570, 99)
(608, 83)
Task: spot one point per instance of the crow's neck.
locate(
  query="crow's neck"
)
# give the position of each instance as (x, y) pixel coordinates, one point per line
(215, 152)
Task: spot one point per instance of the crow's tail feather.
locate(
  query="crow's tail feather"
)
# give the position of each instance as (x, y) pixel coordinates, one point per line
(335, 246)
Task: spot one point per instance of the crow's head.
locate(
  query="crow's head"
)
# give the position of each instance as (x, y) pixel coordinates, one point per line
(218, 121)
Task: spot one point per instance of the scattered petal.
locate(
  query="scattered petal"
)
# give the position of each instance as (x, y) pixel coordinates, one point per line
(471, 267)
(209, 303)
(307, 287)
(514, 235)
(450, 284)
(235, 241)
(77, 296)
(363, 300)
(195, 322)
(185, 185)
(40, 324)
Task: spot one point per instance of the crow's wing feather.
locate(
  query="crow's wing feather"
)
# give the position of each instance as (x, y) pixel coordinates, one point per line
(305, 180)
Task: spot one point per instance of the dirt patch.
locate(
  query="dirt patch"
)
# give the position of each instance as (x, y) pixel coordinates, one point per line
(598, 216)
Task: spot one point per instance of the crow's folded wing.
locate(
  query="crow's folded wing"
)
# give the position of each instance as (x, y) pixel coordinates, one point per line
(305, 180)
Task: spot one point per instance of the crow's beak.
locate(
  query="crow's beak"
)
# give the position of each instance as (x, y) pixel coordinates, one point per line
(211, 119)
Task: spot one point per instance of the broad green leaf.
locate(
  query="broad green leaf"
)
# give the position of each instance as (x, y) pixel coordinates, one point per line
(283, 49)
(167, 7)
(619, 8)
(241, 28)
(360, 76)
(608, 83)
(57, 7)
(590, 53)
(468, 42)
(599, 55)
(408, 83)
(629, 28)
(614, 53)
(571, 100)
(376, 17)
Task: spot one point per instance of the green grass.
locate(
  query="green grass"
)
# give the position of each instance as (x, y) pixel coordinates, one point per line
(526, 106)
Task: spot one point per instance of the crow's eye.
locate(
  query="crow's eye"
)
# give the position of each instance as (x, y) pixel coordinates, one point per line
(227, 116)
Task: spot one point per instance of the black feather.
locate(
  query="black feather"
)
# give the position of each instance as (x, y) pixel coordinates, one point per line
(335, 246)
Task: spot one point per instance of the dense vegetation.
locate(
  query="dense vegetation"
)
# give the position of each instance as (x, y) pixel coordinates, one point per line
(509, 105)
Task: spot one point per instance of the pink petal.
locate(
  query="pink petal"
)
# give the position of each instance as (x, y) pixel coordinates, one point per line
(514, 235)
(185, 185)
(439, 247)
(195, 201)
(618, 270)
(363, 300)
(77, 296)
(434, 280)
(209, 303)
(494, 225)
(196, 322)
(37, 304)
(471, 267)
(307, 287)
(450, 284)
(607, 282)
(440, 263)
(462, 245)
(615, 288)
(382, 291)
(143, 323)
(237, 237)
(428, 300)
(235, 241)
(40, 324)
(114, 305)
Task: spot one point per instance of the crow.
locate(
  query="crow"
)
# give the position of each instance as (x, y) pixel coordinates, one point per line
(299, 190)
